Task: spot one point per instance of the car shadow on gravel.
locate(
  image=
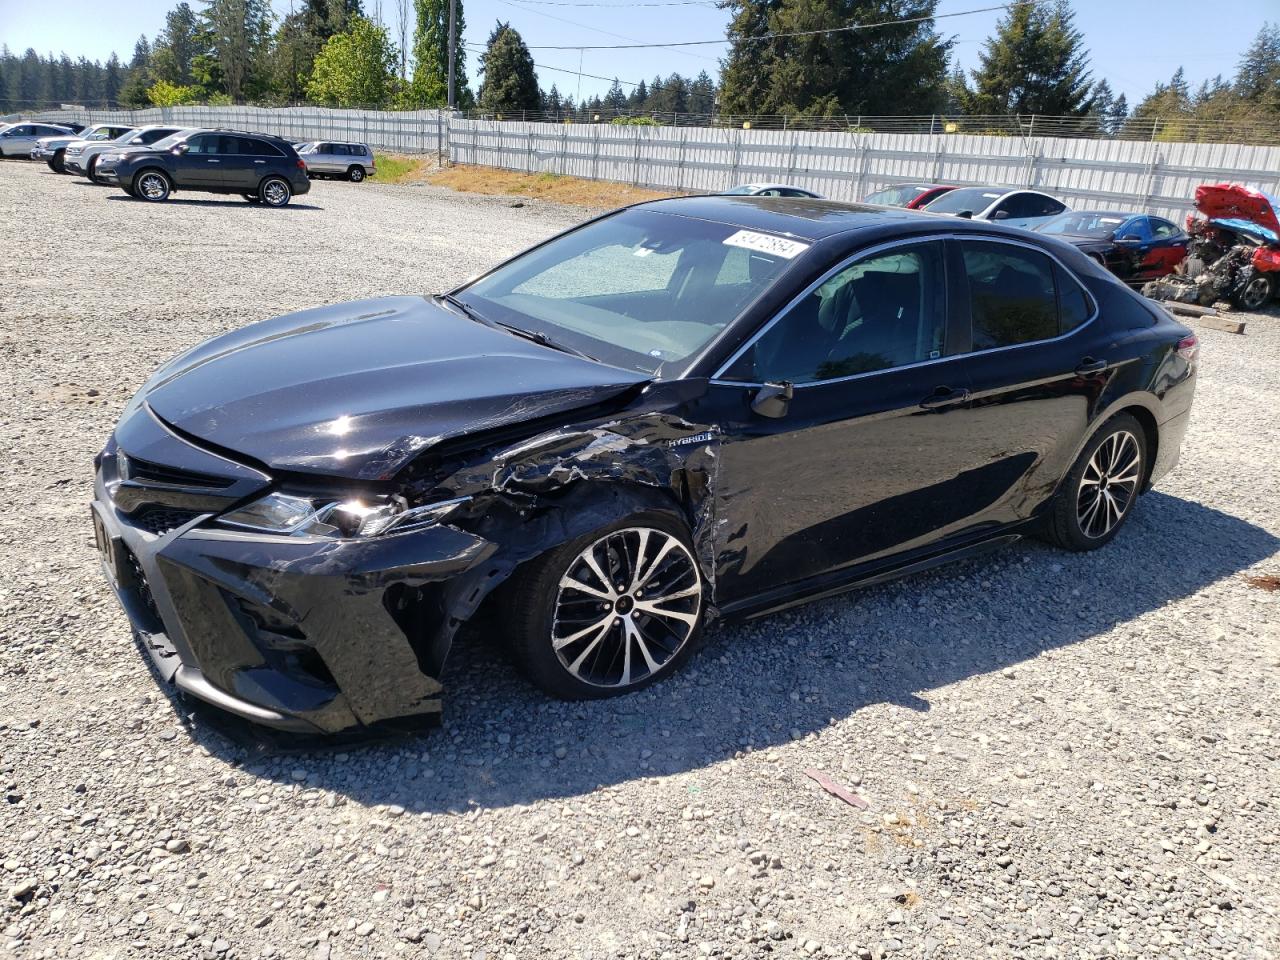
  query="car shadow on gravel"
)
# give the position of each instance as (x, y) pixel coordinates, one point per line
(226, 201)
(770, 681)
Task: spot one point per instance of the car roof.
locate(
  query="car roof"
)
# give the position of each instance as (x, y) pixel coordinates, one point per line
(805, 217)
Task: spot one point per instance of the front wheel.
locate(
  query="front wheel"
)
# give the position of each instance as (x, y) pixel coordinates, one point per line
(91, 171)
(152, 185)
(1099, 491)
(610, 612)
(57, 162)
(275, 192)
(1256, 294)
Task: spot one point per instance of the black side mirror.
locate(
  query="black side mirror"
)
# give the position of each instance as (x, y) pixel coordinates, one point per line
(965, 214)
(999, 215)
(773, 399)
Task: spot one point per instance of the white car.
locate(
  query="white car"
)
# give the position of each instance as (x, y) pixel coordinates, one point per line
(17, 140)
(81, 158)
(771, 190)
(1013, 208)
(52, 150)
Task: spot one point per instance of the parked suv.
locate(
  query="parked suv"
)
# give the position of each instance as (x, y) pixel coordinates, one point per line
(19, 139)
(351, 161)
(261, 168)
(82, 158)
(52, 150)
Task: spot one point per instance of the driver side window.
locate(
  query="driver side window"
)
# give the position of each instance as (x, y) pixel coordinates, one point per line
(882, 312)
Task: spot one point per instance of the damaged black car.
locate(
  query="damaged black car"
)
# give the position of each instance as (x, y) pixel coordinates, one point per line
(686, 410)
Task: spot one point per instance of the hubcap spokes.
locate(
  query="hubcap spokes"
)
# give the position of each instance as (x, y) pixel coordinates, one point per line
(152, 187)
(625, 607)
(276, 193)
(1109, 484)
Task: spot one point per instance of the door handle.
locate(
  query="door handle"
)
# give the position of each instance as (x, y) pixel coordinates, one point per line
(259, 161)
(1089, 365)
(944, 397)
(213, 161)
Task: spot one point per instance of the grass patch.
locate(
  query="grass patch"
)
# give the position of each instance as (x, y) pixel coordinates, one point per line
(397, 169)
(541, 186)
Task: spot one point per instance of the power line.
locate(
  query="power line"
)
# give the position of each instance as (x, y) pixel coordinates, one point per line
(572, 23)
(779, 36)
(625, 6)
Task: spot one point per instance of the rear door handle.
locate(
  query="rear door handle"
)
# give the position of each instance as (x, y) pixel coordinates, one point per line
(259, 161)
(944, 397)
(213, 161)
(1089, 365)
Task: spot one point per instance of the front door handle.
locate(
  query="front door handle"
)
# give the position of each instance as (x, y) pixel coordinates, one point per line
(259, 161)
(1090, 365)
(213, 161)
(944, 397)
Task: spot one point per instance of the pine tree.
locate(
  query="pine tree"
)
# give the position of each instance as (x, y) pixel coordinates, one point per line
(133, 92)
(112, 79)
(615, 100)
(1035, 63)
(430, 85)
(239, 33)
(551, 102)
(702, 95)
(176, 46)
(1258, 76)
(748, 70)
(639, 94)
(510, 83)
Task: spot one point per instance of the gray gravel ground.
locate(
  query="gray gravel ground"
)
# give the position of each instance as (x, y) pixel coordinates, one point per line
(1064, 755)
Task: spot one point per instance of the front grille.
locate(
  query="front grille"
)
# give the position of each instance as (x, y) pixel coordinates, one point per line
(144, 471)
(140, 584)
(160, 520)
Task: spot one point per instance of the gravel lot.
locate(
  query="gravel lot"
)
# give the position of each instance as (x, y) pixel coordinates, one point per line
(1064, 755)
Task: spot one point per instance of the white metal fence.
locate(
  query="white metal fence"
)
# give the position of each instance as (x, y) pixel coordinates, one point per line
(1154, 177)
(417, 131)
(1151, 176)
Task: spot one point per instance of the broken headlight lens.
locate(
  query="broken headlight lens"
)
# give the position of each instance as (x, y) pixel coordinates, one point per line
(356, 517)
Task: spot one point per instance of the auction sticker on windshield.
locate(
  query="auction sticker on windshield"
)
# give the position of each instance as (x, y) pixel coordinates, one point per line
(767, 243)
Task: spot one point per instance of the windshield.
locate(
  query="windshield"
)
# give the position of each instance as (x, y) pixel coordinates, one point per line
(101, 133)
(1086, 224)
(896, 196)
(169, 141)
(742, 190)
(638, 289)
(973, 199)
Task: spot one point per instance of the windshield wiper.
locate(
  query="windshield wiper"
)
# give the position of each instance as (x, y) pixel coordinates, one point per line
(536, 336)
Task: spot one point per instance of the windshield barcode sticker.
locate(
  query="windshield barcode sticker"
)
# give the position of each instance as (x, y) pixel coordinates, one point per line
(767, 243)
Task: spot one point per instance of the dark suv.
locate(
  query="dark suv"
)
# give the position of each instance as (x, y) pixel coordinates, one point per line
(260, 168)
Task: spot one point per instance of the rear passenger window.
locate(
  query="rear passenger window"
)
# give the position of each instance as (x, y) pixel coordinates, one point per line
(1012, 294)
(340, 150)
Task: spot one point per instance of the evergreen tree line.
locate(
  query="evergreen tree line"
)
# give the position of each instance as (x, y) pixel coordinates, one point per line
(795, 58)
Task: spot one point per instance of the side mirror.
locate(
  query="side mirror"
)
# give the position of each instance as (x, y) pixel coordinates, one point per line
(180, 149)
(1000, 215)
(773, 399)
(965, 214)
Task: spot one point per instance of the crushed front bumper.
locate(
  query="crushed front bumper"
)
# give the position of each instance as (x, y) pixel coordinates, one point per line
(300, 634)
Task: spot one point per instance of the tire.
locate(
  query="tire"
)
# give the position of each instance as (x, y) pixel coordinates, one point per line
(252, 197)
(275, 192)
(152, 185)
(1108, 477)
(1257, 293)
(355, 173)
(91, 171)
(611, 642)
(57, 163)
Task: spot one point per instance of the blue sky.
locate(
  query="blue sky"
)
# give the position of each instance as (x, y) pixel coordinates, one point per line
(1133, 43)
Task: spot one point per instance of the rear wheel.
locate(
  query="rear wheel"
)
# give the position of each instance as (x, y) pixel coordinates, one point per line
(356, 173)
(275, 192)
(1100, 490)
(611, 611)
(152, 185)
(1256, 294)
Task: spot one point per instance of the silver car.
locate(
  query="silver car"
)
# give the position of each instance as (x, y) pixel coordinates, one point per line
(82, 158)
(328, 158)
(52, 150)
(1014, 208)
(17, 140)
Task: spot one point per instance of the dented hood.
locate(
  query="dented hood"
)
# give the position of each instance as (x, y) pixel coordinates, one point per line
(357, 390)
(1239, 208)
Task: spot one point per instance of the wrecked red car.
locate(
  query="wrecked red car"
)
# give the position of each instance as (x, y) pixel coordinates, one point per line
(1234, 251)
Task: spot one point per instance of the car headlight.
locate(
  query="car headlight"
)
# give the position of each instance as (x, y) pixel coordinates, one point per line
(74, 151)
(295, 516)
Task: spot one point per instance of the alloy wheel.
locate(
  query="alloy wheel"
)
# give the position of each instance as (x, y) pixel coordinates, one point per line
(152, 186)
(1256, 293)
(625, 607)
(357, 174)
(1109, 484)
(276, 193)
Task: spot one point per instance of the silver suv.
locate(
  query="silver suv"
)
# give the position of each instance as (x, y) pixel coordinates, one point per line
(18, 139)
(52, 150)
(82, 158)
(328, 158)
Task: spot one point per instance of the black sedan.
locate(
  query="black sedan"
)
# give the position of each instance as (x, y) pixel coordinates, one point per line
(686, 410)
(1133, 246)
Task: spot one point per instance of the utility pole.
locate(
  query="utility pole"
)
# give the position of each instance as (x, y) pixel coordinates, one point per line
(453, 47)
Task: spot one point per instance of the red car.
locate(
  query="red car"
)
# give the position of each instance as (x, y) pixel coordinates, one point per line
(913, 196)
